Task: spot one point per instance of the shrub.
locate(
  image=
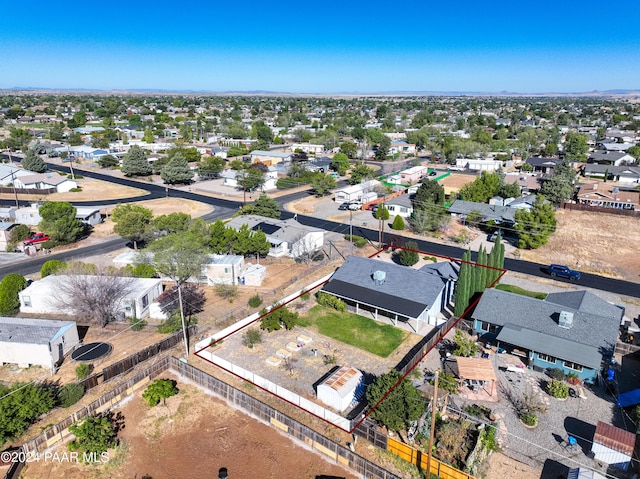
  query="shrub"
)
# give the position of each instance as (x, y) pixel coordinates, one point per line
(447, 382)
(529, 418)
(398, 223)
(174, 323)
(69, 394)
(305, 296)
(464, 345)
(227, 291)
(51, 267)
(556, 373)
(406, 257)
(331, 301)
(76, 176)
(558, 389)
(10, 286)
(75, 190)
(96, 434)
(488, 438)
(83, 370)
(142, 270)
(255, 301)
(251, 337)
(159, 389)
(137, 324)
(278, 318)
(359, 241)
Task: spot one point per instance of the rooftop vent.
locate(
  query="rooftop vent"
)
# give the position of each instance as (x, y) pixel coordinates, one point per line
(565, 320)
(615, 190)
(379, 277)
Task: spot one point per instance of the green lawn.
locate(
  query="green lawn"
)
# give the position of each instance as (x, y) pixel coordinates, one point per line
(363, 333)
(524, 292)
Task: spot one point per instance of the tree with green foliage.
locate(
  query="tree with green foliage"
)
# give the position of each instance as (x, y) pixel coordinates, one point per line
(10, 286)
(20, 406)
(382, 215)
(52, 266)
(95, 435)
(406, 257)
(483, 187)
(403, 405)
(171, 223)
(398, 223)
(33, 162)
(148, 135)
(141, 270)
(430, 193)
(59, 222)
(495, 260)
(135, 163)
(561, 184)
(576, 146)
(340, 163)
(429, 219)
(177, 171)
(349, 148)
(132, 222)
(263, 206)
(250, 179)
(159, 389)
(383, 148)
(278, 318)
(465, 346)
(634, 151)
(322, 184)
(108, 161)
(210, 167)
(535, 226)
(17, 235)
(69, 394)
(75, 138)
(360, 173)
(463, 285)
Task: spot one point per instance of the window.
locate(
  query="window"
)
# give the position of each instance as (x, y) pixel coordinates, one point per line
(227, 270)
(26, 300)
(488, 327)
(145, 301)
(574, 366)
(546, 358)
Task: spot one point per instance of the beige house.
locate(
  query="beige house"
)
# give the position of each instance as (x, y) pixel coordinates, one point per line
(5, 234)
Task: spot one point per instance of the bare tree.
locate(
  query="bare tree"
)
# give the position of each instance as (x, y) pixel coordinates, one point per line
(98, 297)
(305, 248)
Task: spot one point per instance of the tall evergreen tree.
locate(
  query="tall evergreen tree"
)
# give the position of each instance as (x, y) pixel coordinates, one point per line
(463, 285)
(135, 162)
(177, 171)
(33, 162)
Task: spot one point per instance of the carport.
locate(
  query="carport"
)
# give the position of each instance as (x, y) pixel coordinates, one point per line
(475, 371)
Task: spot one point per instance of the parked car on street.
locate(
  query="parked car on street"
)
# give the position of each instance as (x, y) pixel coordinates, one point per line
(35, 239)
(563, 272)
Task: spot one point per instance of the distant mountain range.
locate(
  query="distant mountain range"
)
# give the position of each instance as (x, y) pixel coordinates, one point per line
(594, 93)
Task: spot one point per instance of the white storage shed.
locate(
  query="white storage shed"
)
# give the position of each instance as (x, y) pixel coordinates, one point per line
(340, 389)
(613, 445)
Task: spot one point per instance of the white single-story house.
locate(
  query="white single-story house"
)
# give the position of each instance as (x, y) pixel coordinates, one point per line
(5, 234)
(479, 164)
(307, 148)
(8, 213)
(402, 147)
(287, 237)
(28, 215)
(400, 205)
(230, 178)
(9, 173)
(88, 215)
(36, 342)
(42, 296)
(83, 151)
(354, 193)
(613, 445)
(613, 158)
(341, 388)
(270, 158)
(62, 184)
(375, 288)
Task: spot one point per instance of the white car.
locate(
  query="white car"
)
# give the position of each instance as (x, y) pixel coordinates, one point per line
(355, 206)
(455, 168)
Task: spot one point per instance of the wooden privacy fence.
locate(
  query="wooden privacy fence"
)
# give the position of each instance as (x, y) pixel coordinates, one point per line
(419, 459)
(28, 191)
(598, 209)
(127, 364)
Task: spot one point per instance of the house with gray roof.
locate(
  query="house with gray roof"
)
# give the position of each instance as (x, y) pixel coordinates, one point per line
(287, 237)
(499, 214)
(544, 165)
(615, 158)
(400, 205)
(573, 331)
(625, 175)
(374, 288)
(36, 342)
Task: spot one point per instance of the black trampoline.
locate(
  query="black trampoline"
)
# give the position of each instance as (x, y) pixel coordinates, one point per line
(91, 351)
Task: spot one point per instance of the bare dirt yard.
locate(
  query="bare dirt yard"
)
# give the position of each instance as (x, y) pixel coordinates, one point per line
(193, 436)
(92, 190)
(593, 242)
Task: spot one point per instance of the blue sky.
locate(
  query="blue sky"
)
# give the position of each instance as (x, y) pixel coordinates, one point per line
(322, 47)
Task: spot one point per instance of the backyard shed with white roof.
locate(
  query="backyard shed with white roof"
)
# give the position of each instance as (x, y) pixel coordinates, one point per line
(341, 388)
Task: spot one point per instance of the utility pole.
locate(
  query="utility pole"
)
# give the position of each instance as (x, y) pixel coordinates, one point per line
(184, 329)
(351, 231)
(434, 405)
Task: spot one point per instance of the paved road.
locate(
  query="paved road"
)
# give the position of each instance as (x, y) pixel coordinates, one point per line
(227, 207)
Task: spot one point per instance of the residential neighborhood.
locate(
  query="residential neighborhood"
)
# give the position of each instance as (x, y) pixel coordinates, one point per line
(470, 258)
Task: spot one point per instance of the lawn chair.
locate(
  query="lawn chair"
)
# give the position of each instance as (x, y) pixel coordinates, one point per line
(572, 444)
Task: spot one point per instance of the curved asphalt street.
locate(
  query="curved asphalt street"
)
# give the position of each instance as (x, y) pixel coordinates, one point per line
(225, 208)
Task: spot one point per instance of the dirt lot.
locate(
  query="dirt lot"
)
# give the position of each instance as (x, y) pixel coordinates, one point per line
(91, 190)
(593, 242)
(193, 436)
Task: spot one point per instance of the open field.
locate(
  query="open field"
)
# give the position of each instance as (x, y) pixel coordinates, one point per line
(92, 190)
(191, 437)
(593, 242)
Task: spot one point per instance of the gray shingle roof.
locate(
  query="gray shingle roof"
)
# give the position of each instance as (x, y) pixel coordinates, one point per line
(588, 334)
(288, 230)
(405, 290)
(586, 302)
(31, 331)
(487, 212)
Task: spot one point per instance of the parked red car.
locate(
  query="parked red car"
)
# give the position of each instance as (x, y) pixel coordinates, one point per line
(36, 238)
